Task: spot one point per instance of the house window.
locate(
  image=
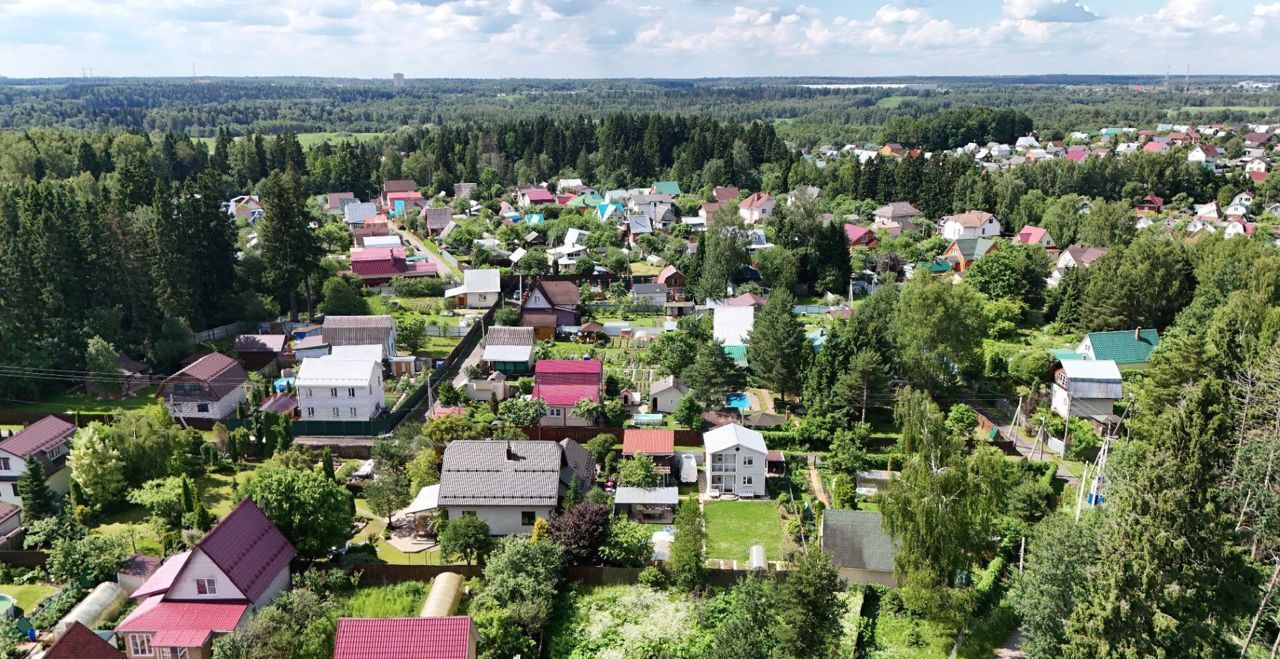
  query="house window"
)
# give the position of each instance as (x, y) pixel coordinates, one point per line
(354, 414)
(206, 587)
(333, 392)
(468, 513)
(351, 392)
(140, 645)
(527, 517)
(309, 394)
(14, 487)
(555, 413)
(311, 411)
(748, 460)
(202, 407)
(337, 413)
(4, 464)
(746, 480)
(173, 653)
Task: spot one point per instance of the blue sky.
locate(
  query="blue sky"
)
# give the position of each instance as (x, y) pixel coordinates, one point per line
(636, 38)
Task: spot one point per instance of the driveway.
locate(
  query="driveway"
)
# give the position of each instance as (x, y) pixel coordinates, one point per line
(418, 246)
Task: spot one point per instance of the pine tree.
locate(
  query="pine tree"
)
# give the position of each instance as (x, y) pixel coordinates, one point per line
(778, 351)
(712, 375)
(33, 487)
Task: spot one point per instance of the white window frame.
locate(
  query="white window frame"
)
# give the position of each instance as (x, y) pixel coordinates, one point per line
(555, 412)
(748, 460)
(747, 480)
(174, 653)
(210, 586)
(140, 645)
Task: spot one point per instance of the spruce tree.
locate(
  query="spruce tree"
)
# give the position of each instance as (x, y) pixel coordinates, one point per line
(778, 351)
(712, 375)
(37, 499)
(326, 463)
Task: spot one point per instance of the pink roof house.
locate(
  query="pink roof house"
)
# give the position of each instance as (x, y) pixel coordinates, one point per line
(535, 197)
(561, 383)
(239, 567)
(378, 265)
(859, 236)
(1030, 235)
(451, 637)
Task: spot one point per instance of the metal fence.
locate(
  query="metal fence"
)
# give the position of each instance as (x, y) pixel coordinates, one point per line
(215, 333)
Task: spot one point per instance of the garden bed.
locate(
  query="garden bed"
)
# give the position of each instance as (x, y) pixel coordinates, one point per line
(625, 621)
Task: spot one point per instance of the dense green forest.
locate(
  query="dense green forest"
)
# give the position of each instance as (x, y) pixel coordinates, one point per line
(805, 112)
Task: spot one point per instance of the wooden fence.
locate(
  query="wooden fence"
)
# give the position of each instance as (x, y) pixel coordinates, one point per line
(23, 558)
(384, 574)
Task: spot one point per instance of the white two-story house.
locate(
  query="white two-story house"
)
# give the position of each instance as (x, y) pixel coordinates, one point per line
(342, 386)
(240, 566)
(970, 224)
(48, 441)
(737, 460)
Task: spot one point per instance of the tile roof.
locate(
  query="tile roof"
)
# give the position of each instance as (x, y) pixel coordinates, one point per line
(560, 293)
(248, 548)
(39, 436)
(79, 642)
(404, 638)
(653, 442)
(724, 194)
(182, 624)
(856, 539)
(400, 185)
(755, 201)
(1122, 346)
(562, 395)
(970, 219)
(577, 461)
(487, 472)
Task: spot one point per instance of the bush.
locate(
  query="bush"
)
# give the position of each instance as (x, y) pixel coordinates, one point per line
(53, 609)
(418, 286)
(652, 577)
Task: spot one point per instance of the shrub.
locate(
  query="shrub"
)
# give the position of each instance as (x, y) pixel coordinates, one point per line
(652, 577)
(418, 286)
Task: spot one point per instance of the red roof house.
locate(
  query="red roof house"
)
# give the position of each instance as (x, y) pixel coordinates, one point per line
(451, 637)
(378, 265)
(208, 389)
(79, 642)
(199, 594)
(48, 441)
(745, 300)
(561, 383)
(859, 236)
(404, 202)
(535, 197)
(1030, 235)
(1150, 204)
(649, 442)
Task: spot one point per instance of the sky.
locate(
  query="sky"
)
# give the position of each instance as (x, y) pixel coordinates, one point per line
(636, 38)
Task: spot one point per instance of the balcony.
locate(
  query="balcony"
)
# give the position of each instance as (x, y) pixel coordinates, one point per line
(723, 468)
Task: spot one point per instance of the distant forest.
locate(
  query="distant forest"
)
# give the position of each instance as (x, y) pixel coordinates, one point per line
(802, 114)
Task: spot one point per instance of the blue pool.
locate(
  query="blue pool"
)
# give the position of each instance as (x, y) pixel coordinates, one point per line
(738, 401)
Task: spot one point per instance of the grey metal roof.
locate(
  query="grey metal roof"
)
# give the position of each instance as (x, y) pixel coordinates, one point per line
(647, 495)
(497, 473)
(502, 335)
(507, 353)
(577, 462)
(649, 289)
(856, 539)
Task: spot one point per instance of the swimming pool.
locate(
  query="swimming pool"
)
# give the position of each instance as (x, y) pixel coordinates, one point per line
(739, 401)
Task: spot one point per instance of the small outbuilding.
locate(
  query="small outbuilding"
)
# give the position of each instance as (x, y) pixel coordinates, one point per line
(647, 505)
(859, 546)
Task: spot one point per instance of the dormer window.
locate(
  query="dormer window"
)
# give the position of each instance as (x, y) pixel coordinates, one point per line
(206, 587)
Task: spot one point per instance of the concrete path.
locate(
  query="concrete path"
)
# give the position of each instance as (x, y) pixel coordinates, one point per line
(815, 480)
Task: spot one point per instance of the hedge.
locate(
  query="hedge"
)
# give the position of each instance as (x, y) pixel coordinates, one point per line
(987, 586)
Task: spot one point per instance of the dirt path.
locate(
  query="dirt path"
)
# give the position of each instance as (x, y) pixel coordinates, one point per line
(815, 480)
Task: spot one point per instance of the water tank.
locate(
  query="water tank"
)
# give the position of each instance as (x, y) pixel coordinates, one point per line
(758, 561)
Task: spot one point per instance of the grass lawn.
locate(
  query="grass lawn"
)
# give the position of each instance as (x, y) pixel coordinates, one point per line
(645, 269)
(29, 595)
(734, 526)
(891, 101)
(87, 404)
(402, 600)
(899, 636)
(621, 621)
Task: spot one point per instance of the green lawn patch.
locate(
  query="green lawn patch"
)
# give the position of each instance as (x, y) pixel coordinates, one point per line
(28, 596)
(891, 101)
(402, 600)
(625, 621)
(734, 526)
(900, 636)
(645, 269)
(86, 404)
(386, 551)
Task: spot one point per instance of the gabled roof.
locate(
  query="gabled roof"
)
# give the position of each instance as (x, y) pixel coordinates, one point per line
(649, 289)
(248, 548)
(499, 473)
(162, 579)
(1123, 347)
(336, 371)
(399, 185)
(576, 461)
(38, 437)
(342, 322)
(667, 273)
(538, 195)
(222, 373)
(669, 382)
(667, 187)
(652, 442)
(260, 343)
(1085, 255)
(500, 335)
(559, 292)
(1030, 235)
(725, 194)
(972, 248)
(970, 219)
(857, 234)
(403, 638)
(182, 624)
(856, 539)
(727, 437)
(898, 210)
(755, 201)
(437, 218)
(79, 642)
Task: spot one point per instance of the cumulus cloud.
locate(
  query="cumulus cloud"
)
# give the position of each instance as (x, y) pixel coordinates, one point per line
(1192, 17)
(1049, 11)
(1267, 12)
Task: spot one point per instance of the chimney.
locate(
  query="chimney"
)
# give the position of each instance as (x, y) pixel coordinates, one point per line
(511, 456)
(1137, 334)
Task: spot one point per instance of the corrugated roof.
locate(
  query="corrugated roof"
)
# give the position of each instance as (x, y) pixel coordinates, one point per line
(39, 436)
(219, 371)
(403, 638)
(557, 366)
(1101, 370)
(332, 370)
(669, 496)
(856, 539)
(182, 622)
(79, 642)
(566, 394)
(732, 435)
(1123, 347)
(501, 335)
(653, 442)
(486, 472)
(248, 548)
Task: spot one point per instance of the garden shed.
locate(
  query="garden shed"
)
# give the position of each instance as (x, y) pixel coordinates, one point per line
(648, 505)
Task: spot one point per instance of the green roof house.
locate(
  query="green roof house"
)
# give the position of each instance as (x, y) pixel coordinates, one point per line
(670, 188)
(1130, 350)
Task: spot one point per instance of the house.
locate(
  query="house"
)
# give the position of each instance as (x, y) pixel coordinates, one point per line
(509, 349)
(674, 280)
(209, 389)
(647, 505)
(1030, 235)
(970, 224)
(1086, 388)
(49, 442)
(480, 289)
(896, 218)
(860, 548)
(669, 188)
(1129, 350)
(551, 303)
(1208, 212)
(376, 266)
(1257, 166)
(649, 295)
(859, 236)
(535, 197)
(337, 387)
(355, 213)
(561, 383)
(1238, 228)
(80, 642)
(746, 300)
(311, 346)
(736, 461)
(400, 204)
(510, 485)
(450, 637)
(730, 325)
(636, 226)
(258, 351)
(375, 226)
(334, 202)
(1156, 146)
(465, 190)
(963, 252)
(246, 207)
(386, 242)
(1074, 256)
(757, 208)
(725, 194)
(1150, 204)
(657, 444)
(665, 394)
(1258, 140)
(361, 331)
(1204, 155)
(434, 220)
(240, 566)
(11, 530)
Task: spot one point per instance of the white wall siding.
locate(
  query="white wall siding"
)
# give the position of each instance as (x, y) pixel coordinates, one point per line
(220, 409)
(502, 520)
(200, 566)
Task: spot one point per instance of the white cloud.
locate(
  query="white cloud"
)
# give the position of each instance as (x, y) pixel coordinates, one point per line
(1267, 12)
(1193, 16)
(1049, 11)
